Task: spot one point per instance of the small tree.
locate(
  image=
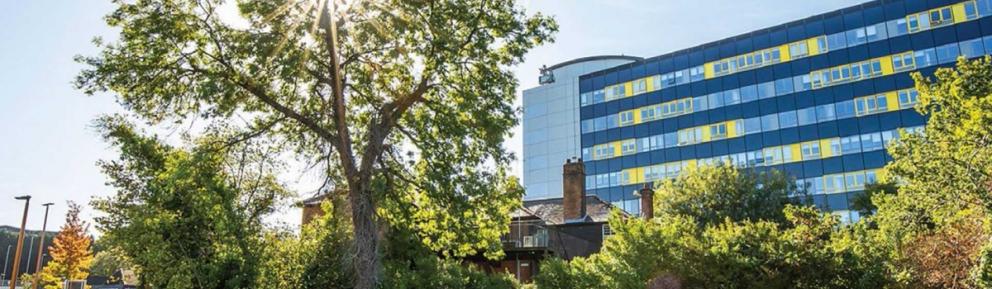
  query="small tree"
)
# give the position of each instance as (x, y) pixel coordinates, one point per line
(188, 218)
(712, 193)
(70, 251)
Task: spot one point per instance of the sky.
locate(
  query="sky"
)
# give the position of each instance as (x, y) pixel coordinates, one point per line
(49, 149)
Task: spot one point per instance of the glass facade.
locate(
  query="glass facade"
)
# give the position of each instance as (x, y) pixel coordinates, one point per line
(817, 98)
(551, 124)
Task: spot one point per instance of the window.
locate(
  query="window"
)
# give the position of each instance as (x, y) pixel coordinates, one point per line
(798, 49)
(626, 118)
(769, 122)
(787, 119)
(903, 61)
(941, 16)
(854, 181)
(716, 100)
(611, 121)
(816, 185)
(801, 83)
(750, 93)
(695, 74)
(913, 23)
(718, 131)
(772, 155)
(648, 113)
(731, 97)
(850, 145)
(870, 104)
(984, 7)
(908, 98)
(690, 136)
(825, 112)
(787, 156)
(640, 86)
(833, 183)
(671, 139)
(810, 150)
(598, 96)
(628, 147)
(872, 141)
(607, 232)
(970, 10)
(924, 58)
(752, 125)
(972, 48)
(836, 41)
(856, 36)
(844, 109)
(700, 103)
(897, 27)
(876, 32)
(947, 53)
(806, 116)
(766, 90)
(615, 92)
(821, 44)
(783, 86)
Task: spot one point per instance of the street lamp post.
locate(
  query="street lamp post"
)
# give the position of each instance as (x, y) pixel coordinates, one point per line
(41, 244)
(6, 259)
(20, 241)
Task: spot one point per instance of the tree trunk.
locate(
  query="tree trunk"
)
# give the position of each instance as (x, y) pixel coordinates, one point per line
(366, 237)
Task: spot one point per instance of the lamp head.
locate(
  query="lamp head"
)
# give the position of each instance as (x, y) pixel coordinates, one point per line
(25, 197)
(47, 204)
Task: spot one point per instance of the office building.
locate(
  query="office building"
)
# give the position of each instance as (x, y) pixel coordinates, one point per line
(817, 98)
(551, 122)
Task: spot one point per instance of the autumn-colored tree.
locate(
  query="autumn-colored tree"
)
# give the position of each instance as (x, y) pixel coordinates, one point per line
(70, 251)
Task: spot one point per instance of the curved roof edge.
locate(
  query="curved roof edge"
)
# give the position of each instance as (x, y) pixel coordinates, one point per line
(593, 58)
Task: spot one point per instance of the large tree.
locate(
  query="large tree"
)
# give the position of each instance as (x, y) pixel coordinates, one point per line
(404, 103)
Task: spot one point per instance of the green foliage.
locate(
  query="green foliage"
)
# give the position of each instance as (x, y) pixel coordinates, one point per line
(729, 242)
(186, 218)
(711, 194)
(403, 103)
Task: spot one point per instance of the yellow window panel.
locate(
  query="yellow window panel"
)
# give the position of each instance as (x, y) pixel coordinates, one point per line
(638, 175)
(886, 65)
(958, 11)
(708, 70)
(616, 146)
(797, 152)
(637, 115)
(732, 128)
(825, 150)
(813, 46)
(784, 54)
(628, 88)
(892, 100)
(707, 136)
(650, 84)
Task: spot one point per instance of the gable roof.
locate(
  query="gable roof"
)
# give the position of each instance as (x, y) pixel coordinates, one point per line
(553, 212)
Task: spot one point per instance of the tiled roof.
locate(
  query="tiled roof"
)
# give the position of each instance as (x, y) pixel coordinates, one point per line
(552, 210)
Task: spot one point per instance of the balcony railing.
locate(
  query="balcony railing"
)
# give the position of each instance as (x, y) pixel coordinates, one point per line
(526, 234)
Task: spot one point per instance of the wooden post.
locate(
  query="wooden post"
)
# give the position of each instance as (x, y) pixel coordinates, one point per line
(20, 242)
(41, 247)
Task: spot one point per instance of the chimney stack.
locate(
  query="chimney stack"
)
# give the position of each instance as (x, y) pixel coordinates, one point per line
(647, 202)
(574, 190)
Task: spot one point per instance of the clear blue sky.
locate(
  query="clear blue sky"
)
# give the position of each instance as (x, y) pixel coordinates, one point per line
(49, 150)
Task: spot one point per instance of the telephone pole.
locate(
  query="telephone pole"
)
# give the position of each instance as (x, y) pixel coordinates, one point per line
(41, 246)
(20, 241)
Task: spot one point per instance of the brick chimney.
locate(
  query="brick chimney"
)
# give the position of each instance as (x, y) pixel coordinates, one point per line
(647, 202)
(574, 190)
